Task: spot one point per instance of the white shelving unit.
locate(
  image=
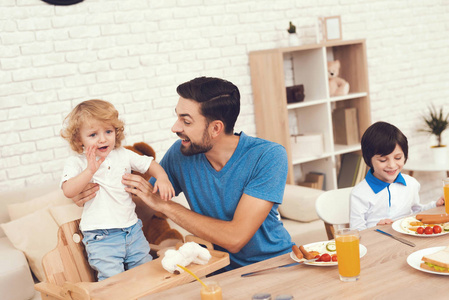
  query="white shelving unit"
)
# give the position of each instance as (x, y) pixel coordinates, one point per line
(277, 121)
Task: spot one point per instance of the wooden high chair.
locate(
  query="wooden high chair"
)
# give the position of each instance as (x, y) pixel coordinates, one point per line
(70, 277)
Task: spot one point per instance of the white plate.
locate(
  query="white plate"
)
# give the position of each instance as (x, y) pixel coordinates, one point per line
(397, 227)
(362, 250)
(414, 259)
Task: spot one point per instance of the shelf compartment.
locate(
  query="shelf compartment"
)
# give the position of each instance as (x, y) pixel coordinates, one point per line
(312, 119)
(353, 68)
(324, 165)
(362, 105)
(309, 70)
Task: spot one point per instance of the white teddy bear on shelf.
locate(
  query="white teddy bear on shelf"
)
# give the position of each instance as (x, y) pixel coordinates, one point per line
(337, 85)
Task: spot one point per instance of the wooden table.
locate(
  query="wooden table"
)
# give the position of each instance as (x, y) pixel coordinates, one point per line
(385, 274)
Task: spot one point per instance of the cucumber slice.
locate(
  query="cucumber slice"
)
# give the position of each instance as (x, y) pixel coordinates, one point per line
(331, 247)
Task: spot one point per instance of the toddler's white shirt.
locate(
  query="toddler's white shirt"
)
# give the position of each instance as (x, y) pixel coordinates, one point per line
(112, 207)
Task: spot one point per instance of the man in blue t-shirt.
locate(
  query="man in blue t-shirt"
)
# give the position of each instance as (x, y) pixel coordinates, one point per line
(233, 183)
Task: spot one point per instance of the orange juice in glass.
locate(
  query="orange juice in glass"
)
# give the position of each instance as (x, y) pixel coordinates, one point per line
(211, 292)
(348, 253)
(446, 194)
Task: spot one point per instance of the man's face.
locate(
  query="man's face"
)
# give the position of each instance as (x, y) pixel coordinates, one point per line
(192, 127)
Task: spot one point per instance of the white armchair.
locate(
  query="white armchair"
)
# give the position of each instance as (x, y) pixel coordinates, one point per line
(299, 215)
(333, 208)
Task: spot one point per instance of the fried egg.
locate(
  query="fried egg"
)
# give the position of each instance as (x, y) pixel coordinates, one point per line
(319, 247)
(410, 224)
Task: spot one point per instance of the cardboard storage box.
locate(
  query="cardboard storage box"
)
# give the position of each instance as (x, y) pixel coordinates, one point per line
(346, 130)
(306, 145)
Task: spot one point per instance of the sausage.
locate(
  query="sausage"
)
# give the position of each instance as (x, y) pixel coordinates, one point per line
(433, 219)
(306, 254)
(297, 252)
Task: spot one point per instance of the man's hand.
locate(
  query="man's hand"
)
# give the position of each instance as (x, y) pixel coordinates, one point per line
(88, 193)
(138, 186)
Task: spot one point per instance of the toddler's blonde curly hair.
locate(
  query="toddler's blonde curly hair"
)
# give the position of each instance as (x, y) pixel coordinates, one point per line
(96, 109)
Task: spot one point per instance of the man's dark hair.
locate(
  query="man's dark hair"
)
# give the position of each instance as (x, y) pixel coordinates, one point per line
(220, 99)
(380, 139)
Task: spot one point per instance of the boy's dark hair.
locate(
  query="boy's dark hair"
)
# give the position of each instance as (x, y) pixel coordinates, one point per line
(219, 99)
(380, 139)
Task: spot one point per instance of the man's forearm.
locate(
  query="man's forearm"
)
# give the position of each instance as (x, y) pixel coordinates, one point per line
(219, 232)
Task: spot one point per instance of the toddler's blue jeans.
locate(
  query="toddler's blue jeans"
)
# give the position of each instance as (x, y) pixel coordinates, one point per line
(112, 251)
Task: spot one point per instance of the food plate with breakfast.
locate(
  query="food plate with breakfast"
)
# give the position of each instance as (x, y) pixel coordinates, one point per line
(413, 226)
(433, 260)
(325, 252)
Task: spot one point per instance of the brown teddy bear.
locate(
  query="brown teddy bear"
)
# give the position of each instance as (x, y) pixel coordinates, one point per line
(337, 86)
(155, 226)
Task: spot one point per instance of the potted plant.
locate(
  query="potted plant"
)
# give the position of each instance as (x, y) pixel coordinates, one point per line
(293, 39)
(436, 123)
(291, 28)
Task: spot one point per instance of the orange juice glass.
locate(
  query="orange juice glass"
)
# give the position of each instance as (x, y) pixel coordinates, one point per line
(446, 194)
(348, 253)
(212, 292)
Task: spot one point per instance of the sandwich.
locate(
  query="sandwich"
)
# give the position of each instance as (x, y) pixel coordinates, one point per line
(437, 262)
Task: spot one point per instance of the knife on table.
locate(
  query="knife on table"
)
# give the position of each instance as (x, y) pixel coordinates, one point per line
(278, 267)
(397, 238)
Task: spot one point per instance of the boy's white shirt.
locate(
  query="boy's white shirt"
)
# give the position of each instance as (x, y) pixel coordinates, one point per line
(112, 206)
(367, 208)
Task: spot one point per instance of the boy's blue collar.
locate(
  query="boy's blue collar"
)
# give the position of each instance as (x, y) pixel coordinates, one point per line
(378, 185)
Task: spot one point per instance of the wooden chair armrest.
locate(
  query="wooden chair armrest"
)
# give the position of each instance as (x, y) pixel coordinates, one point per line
(76, 291)
(49, 291)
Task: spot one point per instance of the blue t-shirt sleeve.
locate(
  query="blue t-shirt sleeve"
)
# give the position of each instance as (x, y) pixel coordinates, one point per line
(270, 175)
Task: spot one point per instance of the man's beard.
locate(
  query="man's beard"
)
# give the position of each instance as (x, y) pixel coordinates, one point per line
(197, 148)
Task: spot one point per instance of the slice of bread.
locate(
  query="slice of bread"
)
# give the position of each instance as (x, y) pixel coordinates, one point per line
(430, 268)
(440, 259)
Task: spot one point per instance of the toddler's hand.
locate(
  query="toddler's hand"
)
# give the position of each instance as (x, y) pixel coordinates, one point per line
(440, 202)
(166, 190)
(385, 222)
(92, 163)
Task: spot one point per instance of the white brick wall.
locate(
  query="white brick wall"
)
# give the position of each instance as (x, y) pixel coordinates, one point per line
(134, 53)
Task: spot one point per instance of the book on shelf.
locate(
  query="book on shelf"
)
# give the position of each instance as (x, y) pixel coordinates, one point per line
(312, 185)
(352, 170)
(314, 180)
(363, 169)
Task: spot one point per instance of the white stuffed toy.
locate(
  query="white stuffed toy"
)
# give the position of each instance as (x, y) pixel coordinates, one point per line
(337, 85)
(188, 253)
